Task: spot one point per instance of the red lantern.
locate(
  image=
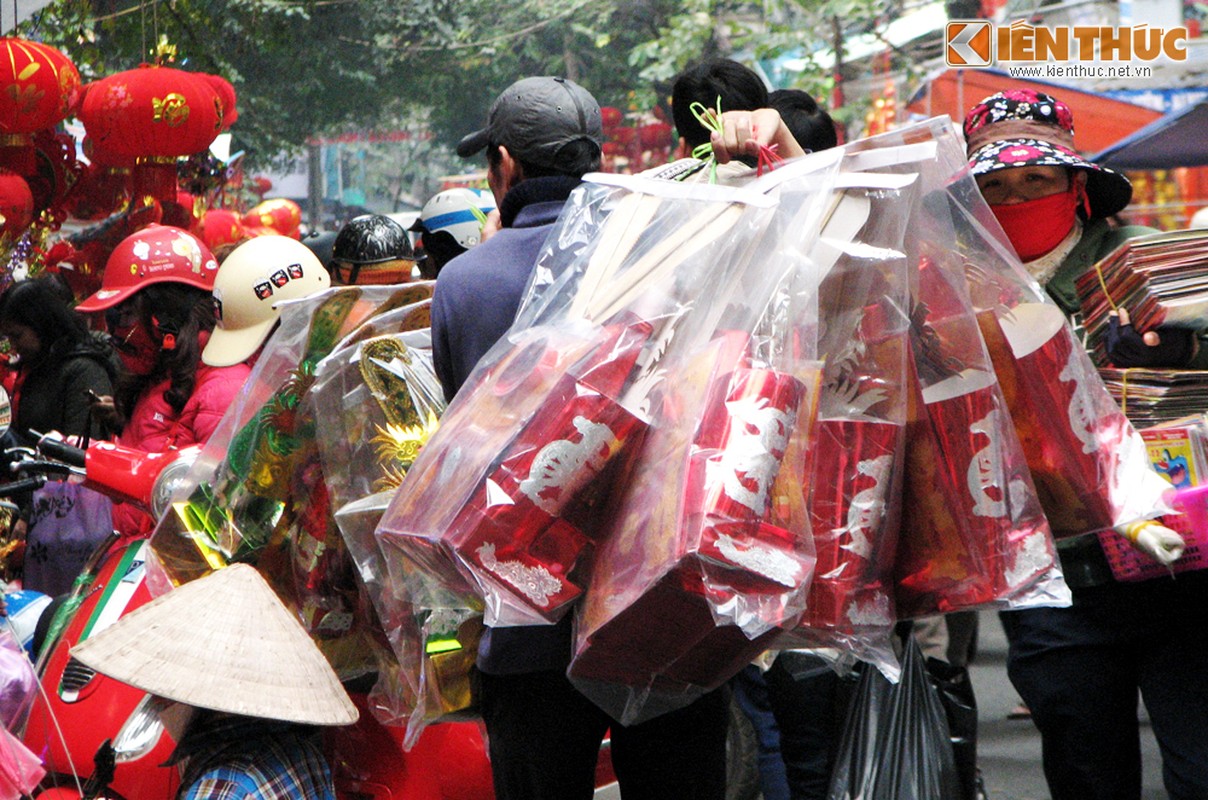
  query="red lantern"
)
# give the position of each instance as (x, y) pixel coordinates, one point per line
(16, 204)
(221, 227)
(153, 115)
(105, 186)
(226, 94)
(610, 117)
(57, 170)
(624, 136)
(281, 214)
(40, 87)
(655, 135)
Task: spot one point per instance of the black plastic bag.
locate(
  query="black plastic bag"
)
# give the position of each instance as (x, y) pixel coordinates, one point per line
(960, 707)
(896, 743)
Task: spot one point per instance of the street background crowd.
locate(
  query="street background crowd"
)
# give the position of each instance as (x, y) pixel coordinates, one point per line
(162, 327)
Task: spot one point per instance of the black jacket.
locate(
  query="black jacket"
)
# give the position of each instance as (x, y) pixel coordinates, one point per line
(54, 392)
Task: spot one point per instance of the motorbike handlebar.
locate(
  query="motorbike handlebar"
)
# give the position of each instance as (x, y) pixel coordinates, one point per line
(44, 467)
(68, 454)
(23, 485)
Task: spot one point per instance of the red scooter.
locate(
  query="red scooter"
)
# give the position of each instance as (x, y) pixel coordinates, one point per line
(99, 738)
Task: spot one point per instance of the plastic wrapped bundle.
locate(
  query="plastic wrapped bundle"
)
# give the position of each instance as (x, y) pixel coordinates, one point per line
(855, 481)
(708, 554)
(699, 572)
(259, 492)
(1088, 464)
(1084, 453)
(374, 402)
(507, 494)
(973, 531)
(509, 490)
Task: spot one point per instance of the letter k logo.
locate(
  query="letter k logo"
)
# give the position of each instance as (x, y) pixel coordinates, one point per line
(969, 43)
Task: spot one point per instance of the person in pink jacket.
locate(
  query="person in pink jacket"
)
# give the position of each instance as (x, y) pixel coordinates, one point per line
(156, 295)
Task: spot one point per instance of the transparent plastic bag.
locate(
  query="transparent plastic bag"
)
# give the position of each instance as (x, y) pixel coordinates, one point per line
(708, 552)
(20, 769)
(973, 532)
(233, 497)
(267, 499)
(509, 489)
(1088, 464)
(19, 684)
(856, 461)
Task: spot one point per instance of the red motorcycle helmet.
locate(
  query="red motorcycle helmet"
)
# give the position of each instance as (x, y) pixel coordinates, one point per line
(155, 254)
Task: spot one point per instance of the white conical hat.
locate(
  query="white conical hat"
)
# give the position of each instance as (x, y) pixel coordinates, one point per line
(227, 643)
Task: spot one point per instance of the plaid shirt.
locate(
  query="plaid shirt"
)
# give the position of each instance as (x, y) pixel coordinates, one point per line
(236, 758)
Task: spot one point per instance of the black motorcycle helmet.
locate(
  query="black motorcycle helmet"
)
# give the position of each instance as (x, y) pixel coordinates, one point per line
(371, 239)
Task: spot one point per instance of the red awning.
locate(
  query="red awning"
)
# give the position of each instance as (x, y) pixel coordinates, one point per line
(1098, 121)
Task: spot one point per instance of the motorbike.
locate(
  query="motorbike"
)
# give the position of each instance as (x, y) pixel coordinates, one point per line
(99, 738)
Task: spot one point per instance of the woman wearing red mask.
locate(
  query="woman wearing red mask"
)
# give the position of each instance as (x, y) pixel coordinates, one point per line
(1080, 669)
(155, 293)
(1055, 207)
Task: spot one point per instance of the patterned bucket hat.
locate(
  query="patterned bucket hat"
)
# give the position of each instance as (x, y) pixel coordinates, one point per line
(1024, 128)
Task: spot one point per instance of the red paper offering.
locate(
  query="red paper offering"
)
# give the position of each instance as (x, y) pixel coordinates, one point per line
(698, 571)
(743, 439)
(513, 534)
(1079, 446)
(972, 531)
(506, 484)
(853, 515)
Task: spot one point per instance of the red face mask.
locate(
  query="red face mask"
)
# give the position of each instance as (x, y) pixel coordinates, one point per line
(137, 349)
(1035, 227)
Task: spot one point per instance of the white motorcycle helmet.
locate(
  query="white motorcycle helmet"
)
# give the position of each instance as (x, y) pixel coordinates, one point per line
(254, 278)
(452, 212)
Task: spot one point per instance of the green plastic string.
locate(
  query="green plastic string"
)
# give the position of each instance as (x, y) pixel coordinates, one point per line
(710, 121)
(478, 215)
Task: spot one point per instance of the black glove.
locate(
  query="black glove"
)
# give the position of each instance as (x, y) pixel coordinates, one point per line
(1125, 348)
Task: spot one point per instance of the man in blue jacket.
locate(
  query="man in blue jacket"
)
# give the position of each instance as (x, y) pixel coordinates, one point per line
(543, 134)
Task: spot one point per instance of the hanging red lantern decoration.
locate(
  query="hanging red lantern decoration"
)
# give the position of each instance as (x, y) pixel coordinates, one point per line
(281, 214)
(153, 115)
(221, 227)
(16, 204)
(226, 94)
(57, 171)
(655, 135)
(40, 88)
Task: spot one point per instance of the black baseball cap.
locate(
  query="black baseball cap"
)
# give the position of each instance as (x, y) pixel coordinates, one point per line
(535, 118)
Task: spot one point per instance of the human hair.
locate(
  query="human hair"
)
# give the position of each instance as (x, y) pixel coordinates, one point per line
(809, 123)
(183, 312)
(43, 305)
(739, 88)
(574, 159)
(439, 249)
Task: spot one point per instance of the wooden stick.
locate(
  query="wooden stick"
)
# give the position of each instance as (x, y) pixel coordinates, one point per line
(621, 231)
(663, 258)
